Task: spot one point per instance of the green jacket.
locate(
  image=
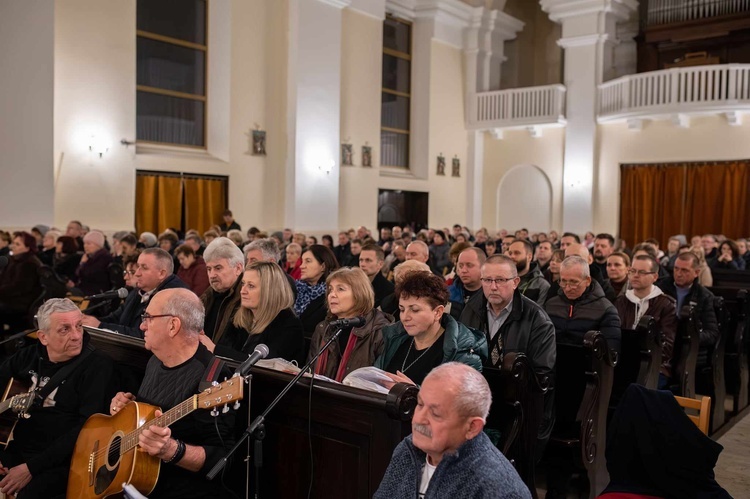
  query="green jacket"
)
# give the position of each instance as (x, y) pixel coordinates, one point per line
(461, 344)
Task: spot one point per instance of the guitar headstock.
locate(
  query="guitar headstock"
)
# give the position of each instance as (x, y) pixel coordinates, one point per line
(230, 390)
(22, 402)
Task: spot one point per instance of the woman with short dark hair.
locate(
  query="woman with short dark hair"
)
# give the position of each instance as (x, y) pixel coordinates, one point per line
(19, 282)
(191, 269)
(426, 336)
(317, 264)
(728, 257)
(67, 258)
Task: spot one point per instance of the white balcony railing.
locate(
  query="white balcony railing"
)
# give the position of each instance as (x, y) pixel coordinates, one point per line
(518, 107)
(671, 11)
(719, 88)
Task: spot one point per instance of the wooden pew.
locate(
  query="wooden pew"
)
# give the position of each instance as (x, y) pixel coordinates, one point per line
(517, 411)
(354, 432)
(583, 384)
(736, 369)
(639, 359)
(735, 279)
(710, 377)
(687, 344)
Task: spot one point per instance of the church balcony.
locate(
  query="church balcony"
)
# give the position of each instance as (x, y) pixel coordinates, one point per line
(676, 94)
(662, 12)
(518, 108)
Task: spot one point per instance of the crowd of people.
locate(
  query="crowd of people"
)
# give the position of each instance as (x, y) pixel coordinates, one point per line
(428, 297)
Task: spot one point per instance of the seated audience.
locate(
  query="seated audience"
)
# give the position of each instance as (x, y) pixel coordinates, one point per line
(533, 285)
(685, 288)
(601, 279)
(194, 241)
(311, 240)
(192, 269)
(617, 271)
(728, 257)
(569, 238)
(553, 272)
(76, 231)
(209, 236)
(468, 281)
(155, 272)
(67, 258)
(267, 250)
(47, 252)
(148, 239)
(709, 243)
(425, 336)
(604, 245)
(644, 298)
(580, 306)
(317, 264)
(440, 249)
(229, 222)
(513, 323)
(93, 273)
(225, 264)
(448, 454)
(327, 241)
(236, 237)
(490, 247)
(673, 245)
(19, 282)
(5, 240)
(168, 241)
(704, 274)
(73, 382)
(543, 255)
(389, 304)
(456, 249)
(265, 316)
(130, 266)
(350, 295)
(355, 249)
(343, 251)
(293, 260)
(371, 261)
(192, 445)
(742, 246)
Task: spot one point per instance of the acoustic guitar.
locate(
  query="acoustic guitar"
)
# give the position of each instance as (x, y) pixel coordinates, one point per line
(107, 455)
(18, 399)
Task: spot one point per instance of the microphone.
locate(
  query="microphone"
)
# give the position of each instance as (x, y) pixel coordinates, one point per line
(115, 293)
(3, 262)
(347, 323)
(261, 351)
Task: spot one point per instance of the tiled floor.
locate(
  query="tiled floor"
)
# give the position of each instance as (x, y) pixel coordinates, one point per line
(733, 469)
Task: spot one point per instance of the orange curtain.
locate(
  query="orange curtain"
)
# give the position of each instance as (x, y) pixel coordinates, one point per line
(663, 200)
(718, 197)
(205, 201)
(158, 202)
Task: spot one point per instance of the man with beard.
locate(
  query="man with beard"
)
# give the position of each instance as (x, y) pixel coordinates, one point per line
(448, 454)
(533, 285)
(604, 245)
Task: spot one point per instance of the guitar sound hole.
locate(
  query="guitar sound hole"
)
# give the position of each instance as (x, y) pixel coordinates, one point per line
(113, 456)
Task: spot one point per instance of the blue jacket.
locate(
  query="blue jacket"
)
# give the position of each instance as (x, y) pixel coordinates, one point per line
(476, 470)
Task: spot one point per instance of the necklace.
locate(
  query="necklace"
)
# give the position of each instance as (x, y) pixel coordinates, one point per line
(403, 369)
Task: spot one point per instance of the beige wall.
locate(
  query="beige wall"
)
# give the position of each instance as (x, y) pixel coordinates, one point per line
(95, 93)
(707, 138)
(516, 148)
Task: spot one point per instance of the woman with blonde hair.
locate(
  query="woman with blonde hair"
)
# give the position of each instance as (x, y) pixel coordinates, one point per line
(349, 295)
(265, 316)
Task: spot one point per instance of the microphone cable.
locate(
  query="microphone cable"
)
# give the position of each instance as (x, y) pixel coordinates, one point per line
(309, 430)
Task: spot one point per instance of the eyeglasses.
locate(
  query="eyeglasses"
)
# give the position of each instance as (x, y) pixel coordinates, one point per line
(145, 317)
(641, 273)
(128, 272)
(569, 284)
(497, 282)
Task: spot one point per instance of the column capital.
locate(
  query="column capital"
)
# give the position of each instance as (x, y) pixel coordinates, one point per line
(559, 10)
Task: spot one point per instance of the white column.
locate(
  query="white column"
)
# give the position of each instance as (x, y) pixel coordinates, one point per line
(27, 44)
(314, 102)
(588, 37)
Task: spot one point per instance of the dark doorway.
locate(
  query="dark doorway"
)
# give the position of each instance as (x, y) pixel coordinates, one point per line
(402, 208)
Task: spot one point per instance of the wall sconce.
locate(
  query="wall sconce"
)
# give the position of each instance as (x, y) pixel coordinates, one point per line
(98, 145)
(327, 167)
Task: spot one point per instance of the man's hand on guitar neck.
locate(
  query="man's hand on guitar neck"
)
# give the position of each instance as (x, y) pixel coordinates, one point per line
(158, 442)
(15, 479)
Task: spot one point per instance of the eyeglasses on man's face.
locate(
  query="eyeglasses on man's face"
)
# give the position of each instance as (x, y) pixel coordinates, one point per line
(632, 271)
(569, 284)
(146, 317)
(497, 281)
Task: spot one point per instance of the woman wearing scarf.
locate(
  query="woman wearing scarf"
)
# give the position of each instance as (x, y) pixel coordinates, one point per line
(317, 264)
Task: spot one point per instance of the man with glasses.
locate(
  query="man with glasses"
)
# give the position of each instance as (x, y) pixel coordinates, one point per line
(513, 323)
(580, 306)
(644, 298)
(685, 289)
(153, 274)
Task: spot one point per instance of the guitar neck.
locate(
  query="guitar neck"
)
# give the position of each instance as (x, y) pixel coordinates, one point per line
(130, 441)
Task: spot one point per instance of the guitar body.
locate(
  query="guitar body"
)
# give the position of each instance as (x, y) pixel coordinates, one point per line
(8, 419)
(98, 470)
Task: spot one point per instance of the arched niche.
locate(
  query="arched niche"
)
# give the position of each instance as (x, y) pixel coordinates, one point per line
(524, 199)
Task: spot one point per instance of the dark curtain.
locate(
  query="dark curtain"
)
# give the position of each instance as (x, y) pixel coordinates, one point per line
(662, 200)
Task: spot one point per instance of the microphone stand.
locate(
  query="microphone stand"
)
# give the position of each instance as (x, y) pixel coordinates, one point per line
(257, 428)
(18, 336)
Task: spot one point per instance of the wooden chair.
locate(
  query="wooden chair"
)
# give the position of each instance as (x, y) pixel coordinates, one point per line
(639, 359)
(702, 405)
(687, 344)
(710, 378)
(583, 384)
(517, 412)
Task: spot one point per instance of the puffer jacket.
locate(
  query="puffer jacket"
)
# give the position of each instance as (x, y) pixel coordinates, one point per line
(365, 344)
(591, 311)
(533, 285)
(704, 303)
(659, 306)
(461, 344)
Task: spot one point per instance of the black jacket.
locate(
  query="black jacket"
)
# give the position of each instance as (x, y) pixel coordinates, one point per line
(127, 318)
(704, 303)
(283, 337)
(46, 440)
(312, 316)
(527, 329)
(382, 288)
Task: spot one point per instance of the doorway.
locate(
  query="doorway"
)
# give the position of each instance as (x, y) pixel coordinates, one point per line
(402, 208)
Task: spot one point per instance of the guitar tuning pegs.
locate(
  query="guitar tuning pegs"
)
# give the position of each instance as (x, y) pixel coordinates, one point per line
(225, 409)
(25, 415)
(214, 412)
(214, 383)
(236, 405)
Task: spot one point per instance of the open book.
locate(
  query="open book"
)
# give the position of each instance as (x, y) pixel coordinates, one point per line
(283, 365)
(369, 378)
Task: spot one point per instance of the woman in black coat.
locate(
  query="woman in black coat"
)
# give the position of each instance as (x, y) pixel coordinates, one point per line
(19, 282)
(318, 262)
(265, 316)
